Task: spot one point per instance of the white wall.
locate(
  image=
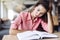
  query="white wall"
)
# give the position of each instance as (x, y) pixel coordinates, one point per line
(11, 14)
(4, 11)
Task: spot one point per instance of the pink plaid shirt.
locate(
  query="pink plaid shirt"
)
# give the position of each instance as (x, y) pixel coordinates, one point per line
(25, 22)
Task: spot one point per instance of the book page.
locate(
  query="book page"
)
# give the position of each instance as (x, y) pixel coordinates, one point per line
(28, 35)
(48, 35)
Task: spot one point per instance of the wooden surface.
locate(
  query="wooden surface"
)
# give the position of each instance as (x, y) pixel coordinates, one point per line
(14, 37)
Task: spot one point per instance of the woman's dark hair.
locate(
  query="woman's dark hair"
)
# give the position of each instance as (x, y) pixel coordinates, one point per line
(45, 3)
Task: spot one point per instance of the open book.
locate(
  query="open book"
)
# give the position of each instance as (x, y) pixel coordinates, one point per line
(31, 35)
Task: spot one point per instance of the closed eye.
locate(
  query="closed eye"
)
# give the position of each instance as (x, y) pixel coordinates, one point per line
(38, 10)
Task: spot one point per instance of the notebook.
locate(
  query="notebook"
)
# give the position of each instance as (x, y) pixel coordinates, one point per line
(34, 35)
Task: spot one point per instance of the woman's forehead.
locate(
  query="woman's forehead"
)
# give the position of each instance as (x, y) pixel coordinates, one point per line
(39, 7)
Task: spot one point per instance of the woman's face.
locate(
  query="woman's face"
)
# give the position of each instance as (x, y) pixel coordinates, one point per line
(39, 11)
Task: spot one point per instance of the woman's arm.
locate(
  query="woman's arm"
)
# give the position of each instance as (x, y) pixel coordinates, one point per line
(50, 23)
(14, 29)
(48, 26)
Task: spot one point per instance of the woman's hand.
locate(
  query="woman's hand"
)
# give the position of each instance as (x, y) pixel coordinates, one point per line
(14, 31)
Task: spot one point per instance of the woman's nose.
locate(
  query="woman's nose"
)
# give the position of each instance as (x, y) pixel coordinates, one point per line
(37, 14)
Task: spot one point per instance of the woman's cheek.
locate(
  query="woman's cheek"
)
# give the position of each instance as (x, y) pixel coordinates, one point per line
(40, 15)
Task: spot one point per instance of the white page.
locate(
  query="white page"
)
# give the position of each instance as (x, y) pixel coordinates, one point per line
(45, 34)
(27, 35)
(49, 35)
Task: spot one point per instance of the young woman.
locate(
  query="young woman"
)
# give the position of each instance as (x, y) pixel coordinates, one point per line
(34, 19)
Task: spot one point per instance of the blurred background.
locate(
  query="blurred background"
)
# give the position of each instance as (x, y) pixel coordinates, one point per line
(10, 9)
